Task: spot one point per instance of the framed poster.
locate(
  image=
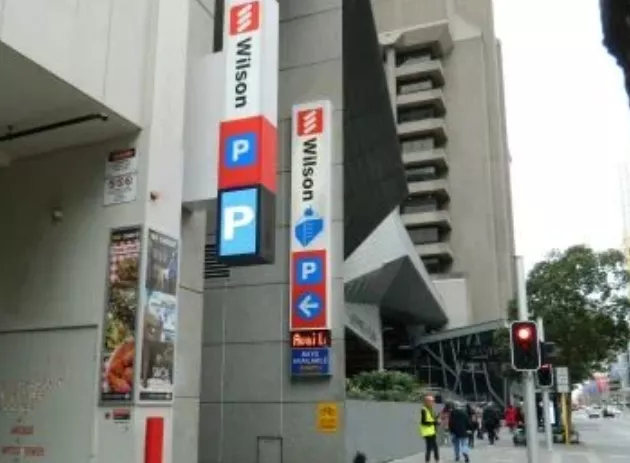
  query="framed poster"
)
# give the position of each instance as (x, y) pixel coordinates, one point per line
(120, 323)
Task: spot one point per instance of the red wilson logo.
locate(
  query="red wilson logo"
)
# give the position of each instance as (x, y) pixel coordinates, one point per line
(310, 122)
(244, 18)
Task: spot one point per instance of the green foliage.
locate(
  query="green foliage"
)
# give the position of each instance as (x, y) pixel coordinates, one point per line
(582, 297)
(385, 386)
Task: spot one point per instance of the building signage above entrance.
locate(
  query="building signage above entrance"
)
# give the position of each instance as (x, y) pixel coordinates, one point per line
(248, 134)
(311, 210)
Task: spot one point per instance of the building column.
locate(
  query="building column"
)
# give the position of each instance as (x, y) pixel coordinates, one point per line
(159, 150)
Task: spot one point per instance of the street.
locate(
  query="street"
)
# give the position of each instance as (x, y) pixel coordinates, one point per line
(602, 441)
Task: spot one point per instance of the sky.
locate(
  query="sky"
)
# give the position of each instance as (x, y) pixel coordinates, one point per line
(568, 123)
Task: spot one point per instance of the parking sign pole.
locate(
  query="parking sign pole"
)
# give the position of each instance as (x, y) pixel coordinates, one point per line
(531, 428)
(545, 395)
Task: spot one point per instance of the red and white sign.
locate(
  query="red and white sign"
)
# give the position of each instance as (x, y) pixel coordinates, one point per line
(251, 87)
(311, 216)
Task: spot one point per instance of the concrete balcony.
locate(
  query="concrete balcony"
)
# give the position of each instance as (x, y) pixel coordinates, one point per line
(39, 112)
(438, 188)
(435, 157)
(435, 250)
(434, 98)
(440, 219)
(426, 70)
(435, 34)
(434, 127)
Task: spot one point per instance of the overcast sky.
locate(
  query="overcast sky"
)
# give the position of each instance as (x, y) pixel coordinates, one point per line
(568, 125)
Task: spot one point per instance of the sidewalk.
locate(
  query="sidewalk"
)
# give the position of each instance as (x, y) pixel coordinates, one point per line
(504, 451)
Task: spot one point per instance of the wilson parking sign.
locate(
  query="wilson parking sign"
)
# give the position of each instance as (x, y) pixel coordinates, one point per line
(248, 135)
(311, 209)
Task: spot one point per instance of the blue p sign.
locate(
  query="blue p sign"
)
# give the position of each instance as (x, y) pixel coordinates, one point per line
(240, 150)
(310, 270)
(238, 222)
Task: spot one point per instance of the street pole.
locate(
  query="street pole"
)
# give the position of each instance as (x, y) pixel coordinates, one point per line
(531, 427)
(545, 395)
(565, 420)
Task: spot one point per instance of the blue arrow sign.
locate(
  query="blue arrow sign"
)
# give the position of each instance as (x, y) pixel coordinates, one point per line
(308, 306)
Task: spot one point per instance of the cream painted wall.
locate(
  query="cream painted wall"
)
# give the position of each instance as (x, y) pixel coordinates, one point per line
(454, 292)
(102, 47)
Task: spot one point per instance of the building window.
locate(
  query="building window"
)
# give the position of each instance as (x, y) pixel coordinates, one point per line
(419, 174)
(435, 265)
(424, 235)
(412, 145)
(413, 57)
(415, 204)
(416, 114)
(413, 86)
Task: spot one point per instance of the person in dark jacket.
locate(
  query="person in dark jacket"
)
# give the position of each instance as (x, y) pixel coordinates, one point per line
(459, 426)
(491, 422)
(474, 420)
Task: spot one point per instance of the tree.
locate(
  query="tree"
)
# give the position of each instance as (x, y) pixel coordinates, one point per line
(582, 297)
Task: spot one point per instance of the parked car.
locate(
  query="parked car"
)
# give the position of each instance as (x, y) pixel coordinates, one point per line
(593, 412)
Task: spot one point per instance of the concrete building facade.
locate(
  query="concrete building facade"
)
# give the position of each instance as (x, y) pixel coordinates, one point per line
(117, 317)
(444, 69)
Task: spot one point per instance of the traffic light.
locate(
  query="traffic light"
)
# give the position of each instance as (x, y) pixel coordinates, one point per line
(545, 375)
(525, 346)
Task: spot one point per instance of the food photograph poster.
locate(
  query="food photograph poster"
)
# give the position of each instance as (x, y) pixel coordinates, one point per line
(160, 319)
(119, 337)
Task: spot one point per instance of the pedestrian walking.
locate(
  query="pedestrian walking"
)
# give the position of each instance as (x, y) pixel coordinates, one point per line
(474, 421)
(459, 426)
(428, 429)
(491, 422)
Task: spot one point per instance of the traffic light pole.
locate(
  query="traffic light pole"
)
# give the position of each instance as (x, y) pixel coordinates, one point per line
(545, 395)
(531, 426)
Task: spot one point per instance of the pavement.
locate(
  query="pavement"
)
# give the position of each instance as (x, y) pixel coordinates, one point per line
(602, 441)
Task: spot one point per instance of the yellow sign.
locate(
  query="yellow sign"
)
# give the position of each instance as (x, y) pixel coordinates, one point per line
(327, 417)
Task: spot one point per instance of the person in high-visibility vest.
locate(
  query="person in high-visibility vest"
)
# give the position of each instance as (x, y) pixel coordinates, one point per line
(428, 429)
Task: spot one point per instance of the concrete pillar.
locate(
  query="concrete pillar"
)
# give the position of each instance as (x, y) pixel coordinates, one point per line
(249, 404)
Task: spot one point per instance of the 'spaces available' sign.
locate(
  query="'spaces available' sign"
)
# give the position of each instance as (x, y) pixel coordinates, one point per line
(311, 209)
(247, 138)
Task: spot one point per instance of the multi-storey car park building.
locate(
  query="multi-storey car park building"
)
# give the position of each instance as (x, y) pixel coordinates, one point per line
(444, 72)
(165, 293)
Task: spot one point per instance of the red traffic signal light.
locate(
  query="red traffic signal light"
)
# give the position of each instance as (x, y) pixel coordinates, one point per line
(525, 346)
(524, 334)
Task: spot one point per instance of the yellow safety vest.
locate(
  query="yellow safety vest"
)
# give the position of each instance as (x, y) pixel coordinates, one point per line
(427, 430)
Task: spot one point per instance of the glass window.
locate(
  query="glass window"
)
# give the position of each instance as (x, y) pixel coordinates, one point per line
(416, 114)
(418, 174)
(413, 86)
(413, 57)
(416, 204)
(412, 145)
(424, 235)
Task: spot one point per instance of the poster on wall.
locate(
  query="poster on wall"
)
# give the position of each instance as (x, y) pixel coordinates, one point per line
(119, 336)
(160, 319)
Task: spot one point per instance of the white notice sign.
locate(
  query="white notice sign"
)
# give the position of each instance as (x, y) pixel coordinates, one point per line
(121, 177)
(563, 384)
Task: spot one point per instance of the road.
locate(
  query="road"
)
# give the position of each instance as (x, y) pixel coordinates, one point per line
(603, 441)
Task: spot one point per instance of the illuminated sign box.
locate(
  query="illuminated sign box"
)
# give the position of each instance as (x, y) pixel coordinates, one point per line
(310, 339)
(311, 362)
(311, 210)
(248, 134)
(246, 224)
